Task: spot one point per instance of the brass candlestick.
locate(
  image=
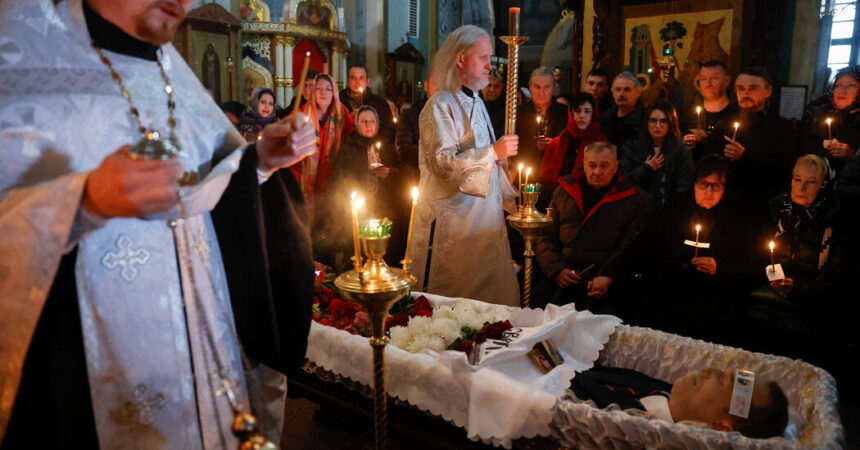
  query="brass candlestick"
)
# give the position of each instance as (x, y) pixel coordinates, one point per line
(514, 41)
(376, 288)
(530, 223)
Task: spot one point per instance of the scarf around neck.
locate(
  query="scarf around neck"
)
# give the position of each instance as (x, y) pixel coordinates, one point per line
(553, 158)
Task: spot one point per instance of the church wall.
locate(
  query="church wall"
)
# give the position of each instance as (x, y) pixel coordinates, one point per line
(804, 48)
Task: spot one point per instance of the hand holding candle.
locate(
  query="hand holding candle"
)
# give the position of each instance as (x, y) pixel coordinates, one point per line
(301, 88)
(734, 136)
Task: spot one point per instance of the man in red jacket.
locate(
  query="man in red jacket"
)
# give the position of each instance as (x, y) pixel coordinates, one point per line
(596, 213)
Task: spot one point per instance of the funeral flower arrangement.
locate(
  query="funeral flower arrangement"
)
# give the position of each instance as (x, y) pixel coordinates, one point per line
(413, 324)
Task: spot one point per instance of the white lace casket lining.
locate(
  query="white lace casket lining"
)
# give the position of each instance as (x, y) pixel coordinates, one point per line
(504, 397)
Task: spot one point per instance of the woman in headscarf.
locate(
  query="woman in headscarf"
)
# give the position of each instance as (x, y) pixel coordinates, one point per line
(657, 161)
(366, 164)
(333, 124)
(260, 114)
(564, 153)
(839, 141)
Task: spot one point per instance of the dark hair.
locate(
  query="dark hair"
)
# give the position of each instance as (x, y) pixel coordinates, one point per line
(233, 107)
(711, 164)
(758, 71)
(358, 66)
(765, 421)
(715, 63)
(579, 99)
(598, 72)
(669, 111)
(312, 73)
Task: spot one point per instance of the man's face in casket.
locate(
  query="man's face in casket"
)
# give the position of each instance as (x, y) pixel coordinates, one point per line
(705, 396)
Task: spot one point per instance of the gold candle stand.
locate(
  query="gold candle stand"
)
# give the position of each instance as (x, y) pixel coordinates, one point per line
(514, 43)
(530, 223)
(376, 288)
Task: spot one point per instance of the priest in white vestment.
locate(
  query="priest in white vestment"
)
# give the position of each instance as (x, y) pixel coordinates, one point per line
(123, 301)
(459, 222)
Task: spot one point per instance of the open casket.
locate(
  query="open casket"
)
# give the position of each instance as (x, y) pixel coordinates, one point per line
(504, 397)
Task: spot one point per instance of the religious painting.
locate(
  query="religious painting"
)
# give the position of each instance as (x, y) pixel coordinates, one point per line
(311, 12)
(254, 10)
(211, 73)
(254, 75)
(558, 50)
(405, 83)
(663, 49)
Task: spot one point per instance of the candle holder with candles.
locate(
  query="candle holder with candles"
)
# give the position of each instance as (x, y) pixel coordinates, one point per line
(530, 223)
(376, 287)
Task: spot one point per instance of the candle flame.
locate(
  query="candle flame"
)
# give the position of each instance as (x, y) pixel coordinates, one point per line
(698, 109)
(528, 171)
(538, 119)
(771, 245)
(698, 227)
(737, 124)
(358, 204)
(395, 120)
(378, 144)
(353, 196)
(521, 167)
(414, 193)
(828, 121)
(307, 54)
(361, 89)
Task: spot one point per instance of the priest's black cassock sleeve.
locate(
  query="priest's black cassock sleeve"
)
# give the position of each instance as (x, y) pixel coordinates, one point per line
(263, 232)
(265, 244)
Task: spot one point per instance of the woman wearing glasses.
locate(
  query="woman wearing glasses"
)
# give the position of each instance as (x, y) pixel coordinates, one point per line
(695, 258)
(657, 161)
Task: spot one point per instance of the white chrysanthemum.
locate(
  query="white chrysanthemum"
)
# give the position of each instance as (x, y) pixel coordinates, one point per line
(444, 312)
(420, 325)
(422, 341)
(447, 329)
(399, 336)
(494, 314)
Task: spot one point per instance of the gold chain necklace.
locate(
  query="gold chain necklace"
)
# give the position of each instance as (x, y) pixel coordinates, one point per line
(151, 146)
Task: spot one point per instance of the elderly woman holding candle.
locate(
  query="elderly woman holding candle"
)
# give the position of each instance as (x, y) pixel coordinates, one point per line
(839, 139)
(367, 165)
(658, 161)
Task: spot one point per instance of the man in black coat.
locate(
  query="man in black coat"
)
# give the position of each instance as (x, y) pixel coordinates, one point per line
(622, 121)
(765, 147)
(534, 136)
(703, 118)
(408, 135)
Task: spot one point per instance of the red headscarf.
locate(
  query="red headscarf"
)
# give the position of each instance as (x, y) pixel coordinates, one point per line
(553, 157)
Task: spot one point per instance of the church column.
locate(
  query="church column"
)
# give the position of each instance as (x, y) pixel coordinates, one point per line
(289, 44)
(279, 71)
(343, 69)
(336, 51)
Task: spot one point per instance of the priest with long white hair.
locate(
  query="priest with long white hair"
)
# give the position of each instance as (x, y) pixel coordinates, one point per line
(461, 244)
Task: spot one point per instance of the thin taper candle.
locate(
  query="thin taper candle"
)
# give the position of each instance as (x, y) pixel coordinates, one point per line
(406, 259)
(520, 185)
(772, 262)
(696, 251)
(737, 124)
(829, 137)
(356, 204)
(528, 172)
(699, 117)
(300, 91)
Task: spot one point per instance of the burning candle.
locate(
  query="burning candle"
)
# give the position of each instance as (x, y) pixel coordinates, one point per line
(395, 121)
(699, 117)
(411, 220)
(356, 204)
(772, 264)
(696, 251)
(539, 131)
(737, 124)
(301, 88)
(528, 172)
(828, 128)
(514, 21)
(520, 185)
(360, 96)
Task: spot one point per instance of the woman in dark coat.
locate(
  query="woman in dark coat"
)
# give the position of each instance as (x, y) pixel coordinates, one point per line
(260, 114)
(842, 107)
(658, 161)
(370, 170)
(693, 290)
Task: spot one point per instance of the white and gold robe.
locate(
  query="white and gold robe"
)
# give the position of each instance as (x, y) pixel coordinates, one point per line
(151, 371)
(463, 189)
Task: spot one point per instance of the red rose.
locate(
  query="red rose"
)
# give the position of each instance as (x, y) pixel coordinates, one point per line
(351, 330)
(339, 308)
(421, 303)
(423, 312)
(327, 291)
(329, 323)
(480, 336)
(317, 289)
(396, 320)
(495, 330)
(465, 346)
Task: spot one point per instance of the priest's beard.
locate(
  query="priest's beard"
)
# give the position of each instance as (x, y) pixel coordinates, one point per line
(157, 24)
(476, 83)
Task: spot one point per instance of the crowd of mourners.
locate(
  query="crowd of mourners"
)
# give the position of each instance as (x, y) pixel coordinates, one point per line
(716, 219)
